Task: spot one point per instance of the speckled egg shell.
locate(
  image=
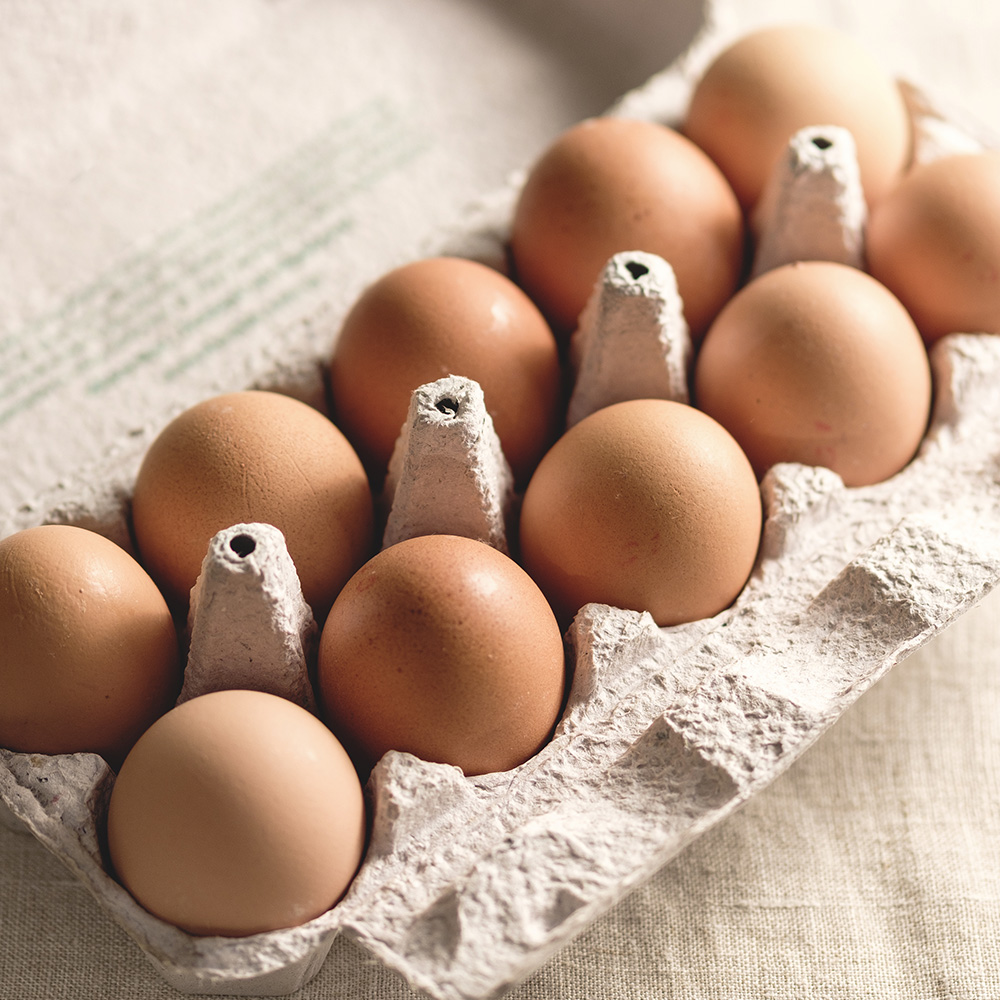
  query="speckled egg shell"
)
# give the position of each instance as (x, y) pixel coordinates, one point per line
(935, 242)
(818, 363)
(442, 646)
(253, 457)
(648, 505)
(446, 316)
(88, 651)
(612, 184)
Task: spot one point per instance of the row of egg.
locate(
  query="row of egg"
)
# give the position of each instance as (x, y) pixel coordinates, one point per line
(604, 186)
(444, 646)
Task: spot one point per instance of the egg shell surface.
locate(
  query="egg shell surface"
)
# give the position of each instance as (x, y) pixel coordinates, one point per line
(935, 242)
(648, 505)
(443, 647)
(609, 185)
(238, 812)
(250, 457)
(88, 651)
(818, 363)
(772, 82)
(446, 316)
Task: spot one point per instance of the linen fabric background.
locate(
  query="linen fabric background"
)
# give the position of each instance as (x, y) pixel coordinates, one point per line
(869, 871)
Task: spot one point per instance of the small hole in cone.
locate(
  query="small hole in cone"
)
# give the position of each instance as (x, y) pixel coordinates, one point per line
(242, 545)
(448, 406)
(636, 269)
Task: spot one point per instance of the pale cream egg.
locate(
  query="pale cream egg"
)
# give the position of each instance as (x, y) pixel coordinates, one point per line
(237, 812)
(772, 82)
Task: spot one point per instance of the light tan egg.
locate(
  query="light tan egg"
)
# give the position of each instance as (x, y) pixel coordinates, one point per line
(648, 505)
(442, 646)
(609, 185)
(935, 242)
(88, 651)
(774, 81)
(446, 316)
(818, 363)
(238, 812)
(250, 457)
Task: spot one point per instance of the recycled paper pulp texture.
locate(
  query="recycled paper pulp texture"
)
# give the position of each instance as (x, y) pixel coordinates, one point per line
(899, 904)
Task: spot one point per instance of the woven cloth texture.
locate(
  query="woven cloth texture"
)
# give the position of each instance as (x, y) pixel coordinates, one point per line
(869, 871)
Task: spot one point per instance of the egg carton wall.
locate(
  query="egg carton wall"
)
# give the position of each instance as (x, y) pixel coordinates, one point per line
(470, 883)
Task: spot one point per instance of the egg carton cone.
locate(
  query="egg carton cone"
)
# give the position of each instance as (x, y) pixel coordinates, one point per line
(470, 883)
(813, 206)
(632, 341)
(447, 473)
(248, 624)
(249, 627)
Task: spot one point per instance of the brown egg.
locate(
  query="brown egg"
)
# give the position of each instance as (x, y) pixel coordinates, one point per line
(443, 647)
(88, 651)
(253, 457)
(772, 82)
(446, 316)
(818, 363)
(648, 505)
(935, 242)
(609, 185)
(238, 812)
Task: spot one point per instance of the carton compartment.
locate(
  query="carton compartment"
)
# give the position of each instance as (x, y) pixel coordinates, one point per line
(470, 883)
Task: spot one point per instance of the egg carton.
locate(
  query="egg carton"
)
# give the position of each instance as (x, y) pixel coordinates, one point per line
(470, 883)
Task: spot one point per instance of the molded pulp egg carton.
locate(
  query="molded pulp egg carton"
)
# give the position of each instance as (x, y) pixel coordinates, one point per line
(471, 883)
